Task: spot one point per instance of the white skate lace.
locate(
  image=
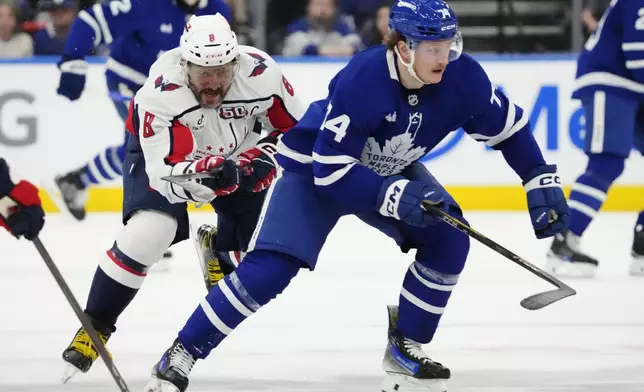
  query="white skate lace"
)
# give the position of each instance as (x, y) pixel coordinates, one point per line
(415, 349)
(181, 360)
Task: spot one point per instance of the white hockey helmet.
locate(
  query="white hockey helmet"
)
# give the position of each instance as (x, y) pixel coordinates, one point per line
(208, 41)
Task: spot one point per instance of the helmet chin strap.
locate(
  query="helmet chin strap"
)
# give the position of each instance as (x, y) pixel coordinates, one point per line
(410, 65)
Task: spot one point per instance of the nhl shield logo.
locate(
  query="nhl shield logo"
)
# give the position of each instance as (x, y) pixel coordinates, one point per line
(412, 99)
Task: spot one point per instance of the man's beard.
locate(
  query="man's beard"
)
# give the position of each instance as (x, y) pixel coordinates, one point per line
(210, 98)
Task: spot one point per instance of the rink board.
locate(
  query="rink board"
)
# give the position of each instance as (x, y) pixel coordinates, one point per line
(37, 126)
(471, 198)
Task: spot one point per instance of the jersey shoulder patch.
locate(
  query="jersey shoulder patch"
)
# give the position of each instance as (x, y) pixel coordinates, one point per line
(254, 62)
(165, 85)
(260, 73)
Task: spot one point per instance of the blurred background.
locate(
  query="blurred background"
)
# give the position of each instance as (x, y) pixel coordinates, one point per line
(39, 27)
(528, 48)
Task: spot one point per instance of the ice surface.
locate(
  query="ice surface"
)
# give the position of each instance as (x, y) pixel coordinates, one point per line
(327, 331)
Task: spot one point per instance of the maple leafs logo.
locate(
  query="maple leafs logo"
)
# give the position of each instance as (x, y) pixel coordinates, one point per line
(400, 149)
(164, 84)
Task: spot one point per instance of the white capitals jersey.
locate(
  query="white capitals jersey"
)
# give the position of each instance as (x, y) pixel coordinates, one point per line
(174, 130)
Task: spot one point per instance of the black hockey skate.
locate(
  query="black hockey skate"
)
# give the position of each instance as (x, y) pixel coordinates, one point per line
(81, 353)
(213, 268)
(407, 366)
(565, 259)
(171, 373)
(637, 264)
(73, 193)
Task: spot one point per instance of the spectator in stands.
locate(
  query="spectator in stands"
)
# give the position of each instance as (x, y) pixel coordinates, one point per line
(592, 12)
(376, 29)
(360, 11)
(12, 43)
(51, 39)
(322, 32)
(241, 21)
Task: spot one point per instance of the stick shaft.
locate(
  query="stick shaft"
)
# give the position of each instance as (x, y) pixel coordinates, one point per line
(93, 335)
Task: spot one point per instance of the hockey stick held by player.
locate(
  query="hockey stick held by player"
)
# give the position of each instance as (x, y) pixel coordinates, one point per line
(202, 108)
(357, 152)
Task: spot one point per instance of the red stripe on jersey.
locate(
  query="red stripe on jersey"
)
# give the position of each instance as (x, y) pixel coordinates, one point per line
(129, 122)
(118, 262)
(181, 142)
(278, 116)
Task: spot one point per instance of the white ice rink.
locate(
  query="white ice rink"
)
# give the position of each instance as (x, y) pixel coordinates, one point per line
(327, 331)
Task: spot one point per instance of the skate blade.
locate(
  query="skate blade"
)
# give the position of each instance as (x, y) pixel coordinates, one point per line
(70, 371)
(403, 383)
(156, 385)
(566, 269)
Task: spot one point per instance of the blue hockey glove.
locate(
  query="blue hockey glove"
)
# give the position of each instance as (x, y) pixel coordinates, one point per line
(72, 77)
(546, 201)
(401, 199)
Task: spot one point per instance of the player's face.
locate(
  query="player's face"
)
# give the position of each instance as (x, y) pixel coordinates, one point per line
(210, 84)
(431, 59)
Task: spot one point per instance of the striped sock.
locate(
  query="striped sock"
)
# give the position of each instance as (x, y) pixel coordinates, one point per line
(106, 166)
(224, 308)
(587, 196)
(423, 298)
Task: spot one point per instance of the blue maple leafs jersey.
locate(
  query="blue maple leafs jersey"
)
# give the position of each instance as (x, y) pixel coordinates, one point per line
(370, 126)
(613, 57)
(138, 32)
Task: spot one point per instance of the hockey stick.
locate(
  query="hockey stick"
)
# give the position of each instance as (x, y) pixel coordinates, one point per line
(178, 179)
(93, 335)
(533, 302)
(181, 178)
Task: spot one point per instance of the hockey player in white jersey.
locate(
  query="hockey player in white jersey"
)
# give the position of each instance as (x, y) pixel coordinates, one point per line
(201, 111)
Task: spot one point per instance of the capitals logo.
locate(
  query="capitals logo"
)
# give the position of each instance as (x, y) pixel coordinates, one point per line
(165, 85)
(260, 65)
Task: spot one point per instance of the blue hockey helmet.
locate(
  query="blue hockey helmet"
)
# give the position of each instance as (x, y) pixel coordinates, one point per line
(426, 20)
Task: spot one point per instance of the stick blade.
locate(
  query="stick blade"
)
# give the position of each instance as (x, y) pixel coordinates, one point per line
(541, 300)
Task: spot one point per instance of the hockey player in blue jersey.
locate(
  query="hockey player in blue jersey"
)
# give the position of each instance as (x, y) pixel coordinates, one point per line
(357, 152)
(610, 85)
(137, 32)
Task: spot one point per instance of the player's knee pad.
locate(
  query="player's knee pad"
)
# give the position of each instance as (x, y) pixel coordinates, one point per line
(262, 275)
(446, 250)
(138, 246)
(605, 168)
